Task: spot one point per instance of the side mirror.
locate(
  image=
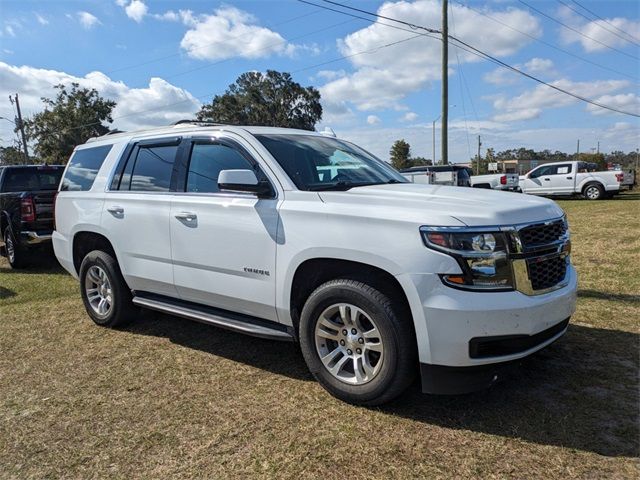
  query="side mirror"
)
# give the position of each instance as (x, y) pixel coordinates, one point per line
(243, 181)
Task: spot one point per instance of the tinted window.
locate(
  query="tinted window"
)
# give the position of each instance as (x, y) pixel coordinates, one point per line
(151, 169)
(549, 170)
(83, 167)
(207, 161)
(32, 178)
(323, 163)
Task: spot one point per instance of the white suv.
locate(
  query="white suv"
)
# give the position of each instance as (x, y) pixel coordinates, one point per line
(294, 235)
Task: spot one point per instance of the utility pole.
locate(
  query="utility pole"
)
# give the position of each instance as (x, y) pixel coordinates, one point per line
(478, 161)
(20, 125)
(445, 82)
(434, 138)
(578, 149)
(598, 151)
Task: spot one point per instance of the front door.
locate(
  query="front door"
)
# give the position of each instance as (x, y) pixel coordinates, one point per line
(223, 244)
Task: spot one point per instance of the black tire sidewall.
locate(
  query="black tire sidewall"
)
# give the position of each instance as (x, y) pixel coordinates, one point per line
(600, 192)
(18, 261)
(120, 308)
(377, 306)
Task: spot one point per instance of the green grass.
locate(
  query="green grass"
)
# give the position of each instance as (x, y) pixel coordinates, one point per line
(167, 397)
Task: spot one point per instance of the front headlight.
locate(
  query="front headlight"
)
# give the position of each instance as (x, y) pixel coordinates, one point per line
(482, 256)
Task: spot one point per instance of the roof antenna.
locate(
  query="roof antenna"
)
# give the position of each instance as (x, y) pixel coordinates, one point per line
(328, 131)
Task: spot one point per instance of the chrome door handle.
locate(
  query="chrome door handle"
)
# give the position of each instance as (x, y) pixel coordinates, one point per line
(115, 210)
(188, 216)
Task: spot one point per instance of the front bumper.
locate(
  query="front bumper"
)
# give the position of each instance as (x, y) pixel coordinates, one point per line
(478, 331)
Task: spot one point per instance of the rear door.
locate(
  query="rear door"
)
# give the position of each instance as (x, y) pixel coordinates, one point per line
(223, 244)
(136, 214)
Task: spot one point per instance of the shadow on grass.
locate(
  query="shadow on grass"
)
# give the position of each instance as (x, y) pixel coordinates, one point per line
(620, 297)
(580, 393)
(40, 265)
(281, 358)
(6, 293)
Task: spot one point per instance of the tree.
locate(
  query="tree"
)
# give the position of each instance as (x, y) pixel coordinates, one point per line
(71, 119)
(272, 99)
(420, 161)
(11, 156)
(400, 152)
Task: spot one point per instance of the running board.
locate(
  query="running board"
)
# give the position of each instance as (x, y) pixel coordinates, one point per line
(213, 316)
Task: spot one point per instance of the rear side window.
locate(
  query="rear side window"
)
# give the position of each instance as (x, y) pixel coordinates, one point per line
(83, 168)
(207, 161)
(149, 169)
(31, 178)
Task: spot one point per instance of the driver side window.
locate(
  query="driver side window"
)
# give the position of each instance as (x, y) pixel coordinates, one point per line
(542, 171)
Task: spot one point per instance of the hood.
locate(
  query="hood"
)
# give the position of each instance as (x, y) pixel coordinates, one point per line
(432, 204)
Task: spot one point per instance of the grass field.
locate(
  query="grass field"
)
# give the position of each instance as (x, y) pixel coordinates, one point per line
(166, 397)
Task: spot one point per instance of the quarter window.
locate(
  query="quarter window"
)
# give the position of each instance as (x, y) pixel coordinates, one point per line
(83, 168)
(206, 163)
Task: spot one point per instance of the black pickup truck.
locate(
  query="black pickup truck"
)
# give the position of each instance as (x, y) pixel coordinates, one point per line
(27, 196)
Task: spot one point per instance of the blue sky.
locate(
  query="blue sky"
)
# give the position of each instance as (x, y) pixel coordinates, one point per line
(162, 59)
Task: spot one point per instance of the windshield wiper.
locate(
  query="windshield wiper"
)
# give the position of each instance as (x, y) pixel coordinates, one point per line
(341, 186)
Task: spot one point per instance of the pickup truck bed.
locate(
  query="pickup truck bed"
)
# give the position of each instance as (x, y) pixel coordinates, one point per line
(27, 195)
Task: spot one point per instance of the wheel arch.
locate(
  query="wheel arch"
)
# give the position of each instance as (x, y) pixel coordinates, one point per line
(313, 272)
(86, 241)
(588, 183)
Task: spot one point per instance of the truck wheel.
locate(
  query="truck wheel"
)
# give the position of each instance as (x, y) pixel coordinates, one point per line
(15, 255)
(354, 343)
(593, 192)
(105, 294)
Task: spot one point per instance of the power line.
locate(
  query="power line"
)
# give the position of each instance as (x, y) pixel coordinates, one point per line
(577, 31)
(605, 21)
(598, 24)
(224, 42)
(464, 109)
(140, 112)
(551, 45)
(475, 51)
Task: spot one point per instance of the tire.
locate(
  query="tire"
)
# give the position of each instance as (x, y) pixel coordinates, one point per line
(593, 191)
(104, 292)
(391, 360)
(15, 255)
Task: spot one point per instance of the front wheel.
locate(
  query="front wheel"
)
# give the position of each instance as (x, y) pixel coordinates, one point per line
(354, 343)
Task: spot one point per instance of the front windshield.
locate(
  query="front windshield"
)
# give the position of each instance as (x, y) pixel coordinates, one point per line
(323, 163)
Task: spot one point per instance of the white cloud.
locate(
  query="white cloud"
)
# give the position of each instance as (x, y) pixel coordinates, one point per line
(121, 3)
(387, 75)
(136, 10)
(542, 66)
(87, 20)
(501, 76)
(41, 20)
(531, 103)
(231, 32)
(10, 31)
(598, 34)
(373, 120)
(628, 102)
(161, 102)
(409, 117)
(185, 16)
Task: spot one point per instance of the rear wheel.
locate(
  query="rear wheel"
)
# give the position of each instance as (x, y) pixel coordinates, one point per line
(354, 343)
(15, 255)
(105, 294)
(593, 191)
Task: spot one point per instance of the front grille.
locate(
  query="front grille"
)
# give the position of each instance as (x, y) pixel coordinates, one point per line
(542, 234)
(483, 347)
(546, 273)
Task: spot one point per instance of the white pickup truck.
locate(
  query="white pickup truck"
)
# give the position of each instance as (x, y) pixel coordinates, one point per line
(571, 178)
(497, 181)
(291, 235)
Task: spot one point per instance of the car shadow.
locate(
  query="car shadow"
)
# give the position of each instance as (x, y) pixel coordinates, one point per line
(580, 393)
(620, 297)
(281, 358)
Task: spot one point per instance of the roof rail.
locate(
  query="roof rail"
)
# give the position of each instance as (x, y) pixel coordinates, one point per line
(113, 132)
(198, 122)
